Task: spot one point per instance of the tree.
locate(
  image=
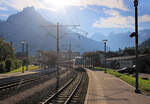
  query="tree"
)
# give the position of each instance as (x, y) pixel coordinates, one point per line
(6, 50)
(129, 51)
(8, 65)
(145, 50)
(94, 56)
(8, 60)
(2, 67)
(47, 58)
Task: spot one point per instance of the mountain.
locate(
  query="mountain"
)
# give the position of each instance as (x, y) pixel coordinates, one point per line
(121, 40)
(1, 21)
(145, 44)
(30, 26)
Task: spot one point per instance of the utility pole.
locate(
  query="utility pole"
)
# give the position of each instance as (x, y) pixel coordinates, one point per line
(89, 61)
(70, 52)
(82, 32)
(92, 61)
(57, 33)
(57, 39)
(27, 56)
(57, 47)
(69, 58)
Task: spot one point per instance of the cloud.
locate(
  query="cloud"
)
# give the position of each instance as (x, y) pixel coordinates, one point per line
(94, 10)
(111, 12)
(20, 4)
(119, 4)
(116, 20)
(46, 4)
(144, 18)
(4, 9)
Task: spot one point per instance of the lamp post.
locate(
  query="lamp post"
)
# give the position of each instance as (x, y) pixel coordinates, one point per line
(105, 53)
(84, 62)
(22, 42)
(135, 34)
(136, 42)
(27, 56)
(92, 61)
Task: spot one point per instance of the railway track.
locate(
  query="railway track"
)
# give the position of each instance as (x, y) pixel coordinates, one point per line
(64, 95)
(23, 81)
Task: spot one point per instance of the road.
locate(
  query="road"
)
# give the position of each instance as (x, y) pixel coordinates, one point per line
(107, 89)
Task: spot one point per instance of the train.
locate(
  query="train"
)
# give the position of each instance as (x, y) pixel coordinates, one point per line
(78, 62)
(73, 63)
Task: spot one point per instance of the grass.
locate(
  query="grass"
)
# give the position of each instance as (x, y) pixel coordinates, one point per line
(100, 68)
(31, 67)
(143, 84)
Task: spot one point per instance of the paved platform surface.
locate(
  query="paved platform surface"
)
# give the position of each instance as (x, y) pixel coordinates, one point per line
(107, 89)
(9, 75)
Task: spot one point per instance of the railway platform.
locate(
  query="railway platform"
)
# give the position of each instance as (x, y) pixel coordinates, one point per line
(107, 89)
(10, 75)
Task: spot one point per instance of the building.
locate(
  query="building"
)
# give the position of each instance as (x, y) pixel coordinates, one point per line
(128, 61)
(101, 57)
(120, 62)
(69, 55)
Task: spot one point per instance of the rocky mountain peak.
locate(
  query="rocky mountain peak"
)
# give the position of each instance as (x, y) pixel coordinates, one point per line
(28, 14)
(29, 9)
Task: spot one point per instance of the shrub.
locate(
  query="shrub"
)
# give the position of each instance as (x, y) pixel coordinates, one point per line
(11, 64)
(2, 67)
(8, 65)
(17, 63)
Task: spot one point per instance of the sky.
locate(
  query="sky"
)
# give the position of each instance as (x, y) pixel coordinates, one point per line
(93, 16)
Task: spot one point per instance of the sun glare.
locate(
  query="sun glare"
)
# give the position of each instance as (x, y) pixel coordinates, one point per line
(59, 4)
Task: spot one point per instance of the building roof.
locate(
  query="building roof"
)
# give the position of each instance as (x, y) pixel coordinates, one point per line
(126, 57)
